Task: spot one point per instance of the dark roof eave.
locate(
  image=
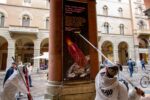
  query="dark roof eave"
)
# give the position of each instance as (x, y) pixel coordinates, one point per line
(147, 12)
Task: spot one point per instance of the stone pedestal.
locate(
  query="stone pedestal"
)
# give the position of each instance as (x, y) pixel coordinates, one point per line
(74, 91)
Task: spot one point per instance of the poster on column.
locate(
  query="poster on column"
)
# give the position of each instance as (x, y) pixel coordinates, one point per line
(76, 58)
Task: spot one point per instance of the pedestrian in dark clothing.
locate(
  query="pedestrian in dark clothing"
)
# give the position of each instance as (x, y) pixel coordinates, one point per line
(10, 72)
(130, 66)
(143, 64)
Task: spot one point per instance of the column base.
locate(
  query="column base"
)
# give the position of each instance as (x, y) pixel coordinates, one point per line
(71, 91)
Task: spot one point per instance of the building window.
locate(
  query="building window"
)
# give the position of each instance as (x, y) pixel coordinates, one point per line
(120, 10)
(141, 24)
(47, 23)
(25, 20)
(27, 1)
(105, 10)
(139, 10)
(121, 27)
(2, 18)
(106, 27)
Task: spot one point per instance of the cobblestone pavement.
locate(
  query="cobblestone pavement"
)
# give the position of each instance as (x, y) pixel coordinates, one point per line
(137, 77)
(40, 82)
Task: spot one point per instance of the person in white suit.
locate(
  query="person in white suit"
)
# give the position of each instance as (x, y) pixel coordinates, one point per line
(109, 88)
(13, 83)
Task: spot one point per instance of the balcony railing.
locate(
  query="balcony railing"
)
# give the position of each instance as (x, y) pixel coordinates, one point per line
(142, 32)
(19, 30)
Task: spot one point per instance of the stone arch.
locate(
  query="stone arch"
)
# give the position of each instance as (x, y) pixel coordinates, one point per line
(143, 44)
(44, 48)
(44, 45)
(3, 53)
(4, 12)
(26, 13)
(123, 52)
(107, 50)
(24, 50)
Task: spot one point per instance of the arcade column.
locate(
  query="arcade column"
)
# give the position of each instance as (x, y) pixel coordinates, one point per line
(54, 87)
(11, 52)
(36, 54)
(73, 63)
(115, 53)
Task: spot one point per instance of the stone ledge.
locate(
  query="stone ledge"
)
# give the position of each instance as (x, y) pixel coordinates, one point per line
(71, 92)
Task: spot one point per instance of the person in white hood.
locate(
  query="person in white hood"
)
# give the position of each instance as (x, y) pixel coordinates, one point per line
(109, 88)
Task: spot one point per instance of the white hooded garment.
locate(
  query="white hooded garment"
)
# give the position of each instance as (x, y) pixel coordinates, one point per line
(13, 84)
(109, 88)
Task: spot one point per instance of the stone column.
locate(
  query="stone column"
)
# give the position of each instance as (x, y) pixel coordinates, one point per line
(136, 48)
(115, 53)
(137, 57)
(149, 54)
(36, 65)
(83, 90)
(93, 37)
(149, 51)
(55, 41)
(11, 53)
(55, 50)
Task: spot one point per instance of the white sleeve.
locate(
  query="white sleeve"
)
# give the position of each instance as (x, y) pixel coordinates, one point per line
(123, 93)
(133, 95)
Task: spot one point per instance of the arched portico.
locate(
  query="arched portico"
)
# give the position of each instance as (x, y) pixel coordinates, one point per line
(107, 50)
(44, 48)
(24, 50)
(143, 44)
(3, 53)
(123, 53)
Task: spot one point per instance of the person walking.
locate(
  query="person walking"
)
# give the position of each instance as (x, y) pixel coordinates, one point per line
(130, 66)
(29, 68)
(143, 64)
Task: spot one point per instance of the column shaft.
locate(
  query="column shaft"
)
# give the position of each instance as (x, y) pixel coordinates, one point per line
(55, 41)
(36, 61)
(11, 53)
(93, 37)
(115, 53)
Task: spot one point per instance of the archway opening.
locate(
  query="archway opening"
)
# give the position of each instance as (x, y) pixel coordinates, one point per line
(24, 50)
(107, 50)
(3, 53)
(143, 44)
(44, 48)
(123, 53)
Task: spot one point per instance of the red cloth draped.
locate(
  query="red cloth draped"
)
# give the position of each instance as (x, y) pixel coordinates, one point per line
(76, 54)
